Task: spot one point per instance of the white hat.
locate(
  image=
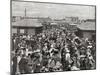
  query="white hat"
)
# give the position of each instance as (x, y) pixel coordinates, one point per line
(38, 50)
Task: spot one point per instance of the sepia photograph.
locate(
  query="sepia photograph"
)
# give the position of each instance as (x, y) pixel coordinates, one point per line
(52, 37)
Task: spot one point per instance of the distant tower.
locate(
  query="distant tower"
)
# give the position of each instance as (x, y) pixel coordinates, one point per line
(25, 12)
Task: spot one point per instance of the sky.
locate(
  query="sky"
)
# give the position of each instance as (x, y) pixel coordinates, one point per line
(36, 9)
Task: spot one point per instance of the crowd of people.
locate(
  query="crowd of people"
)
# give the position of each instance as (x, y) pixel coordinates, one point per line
(51, 51)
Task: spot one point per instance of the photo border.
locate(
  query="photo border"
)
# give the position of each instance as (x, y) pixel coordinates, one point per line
(58, 4)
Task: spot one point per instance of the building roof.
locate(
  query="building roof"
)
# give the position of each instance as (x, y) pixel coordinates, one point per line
(47, 19)
(87, 26)
(27, 23)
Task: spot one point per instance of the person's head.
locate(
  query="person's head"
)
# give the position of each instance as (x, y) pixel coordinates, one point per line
(16, 51)
(23, 56)
(29, 55)
(24, 49)
(56, 51)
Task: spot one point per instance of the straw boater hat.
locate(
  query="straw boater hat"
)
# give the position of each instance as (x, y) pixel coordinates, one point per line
(37, 51)
(89, 46)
